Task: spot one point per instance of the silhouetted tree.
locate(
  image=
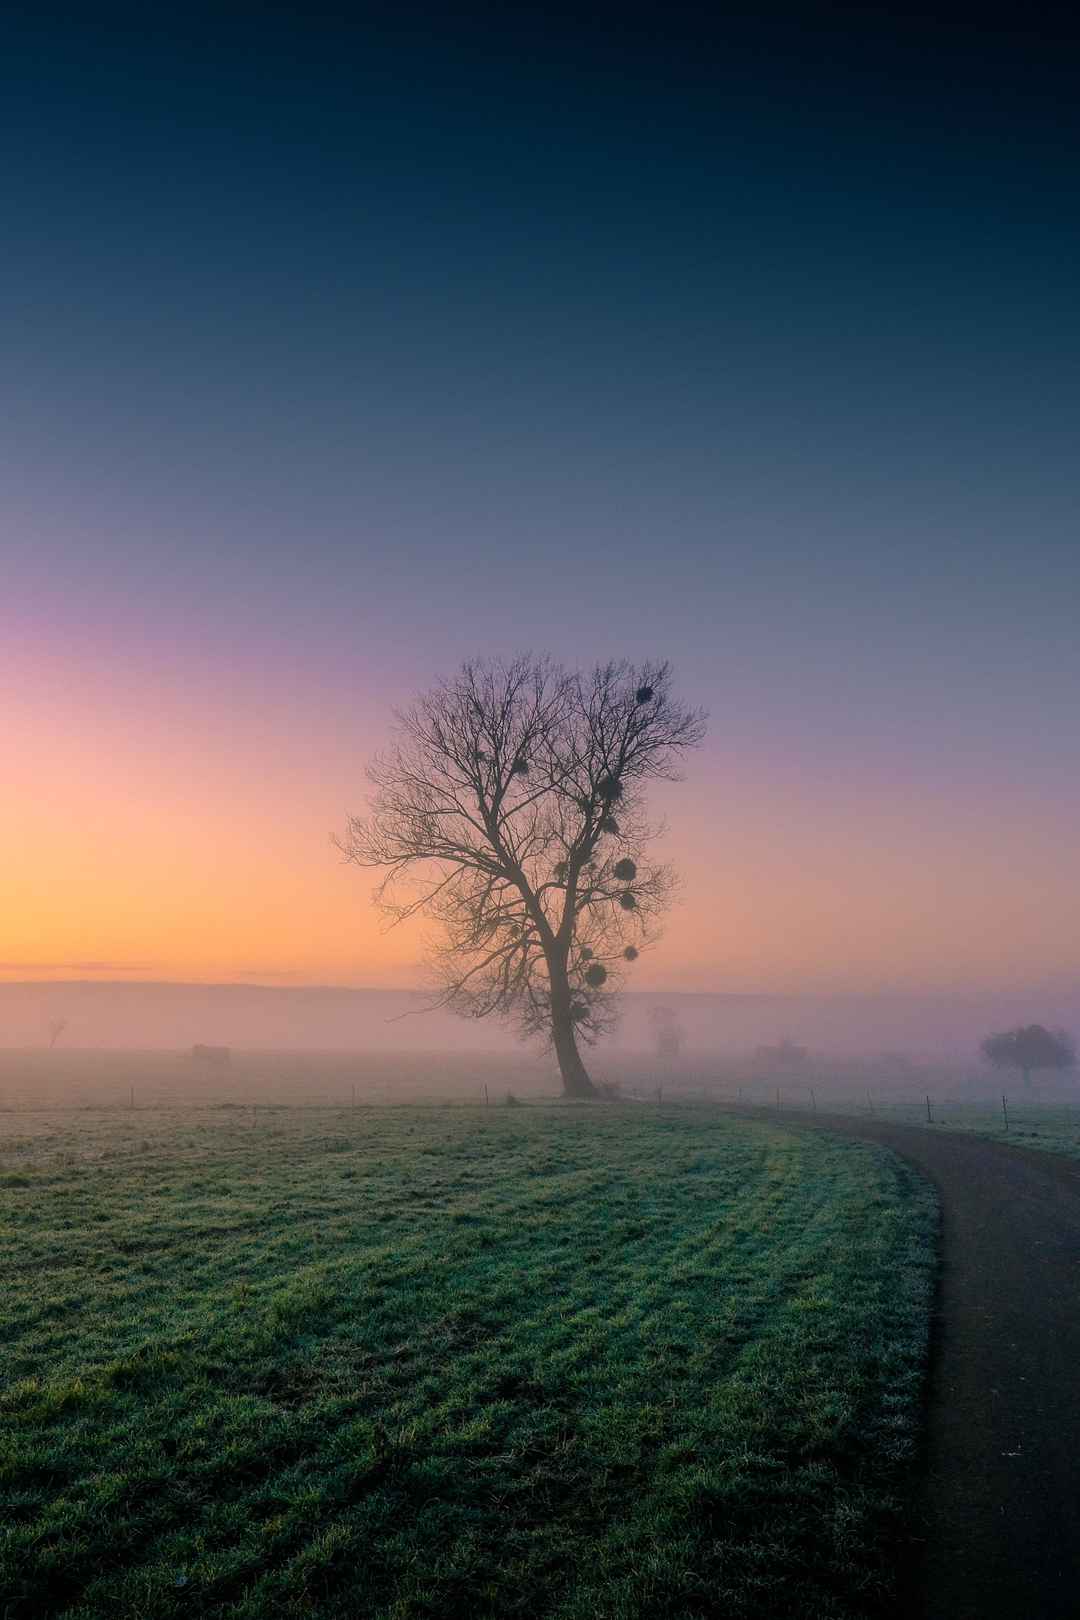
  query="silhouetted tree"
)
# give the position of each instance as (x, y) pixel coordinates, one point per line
(667, 1032)
(511, 810)
(786, 1058)
(1028, 1047)
(212, 1057)
(57, 1027)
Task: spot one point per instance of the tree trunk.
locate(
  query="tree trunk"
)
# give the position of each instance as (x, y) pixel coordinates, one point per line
(575, 1076)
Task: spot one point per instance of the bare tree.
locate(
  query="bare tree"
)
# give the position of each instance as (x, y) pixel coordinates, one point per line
(787, 1057)
(1030, 1046)
(667, 1032)
(56, 1028)
(511, 811)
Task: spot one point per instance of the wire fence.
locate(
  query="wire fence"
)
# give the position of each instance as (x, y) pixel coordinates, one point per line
(258, 1086)
(1049, 1123)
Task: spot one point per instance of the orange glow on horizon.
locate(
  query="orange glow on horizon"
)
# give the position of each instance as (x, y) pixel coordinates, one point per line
(152, 840)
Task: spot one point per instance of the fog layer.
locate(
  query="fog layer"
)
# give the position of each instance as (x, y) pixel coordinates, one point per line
(175, 1016)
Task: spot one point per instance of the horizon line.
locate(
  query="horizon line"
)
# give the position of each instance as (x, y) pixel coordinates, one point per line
(898, 993)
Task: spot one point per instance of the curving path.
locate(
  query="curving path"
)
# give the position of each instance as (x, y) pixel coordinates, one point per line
(996, 1529)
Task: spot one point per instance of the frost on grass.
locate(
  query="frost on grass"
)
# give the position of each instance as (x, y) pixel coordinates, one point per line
(458, 1361)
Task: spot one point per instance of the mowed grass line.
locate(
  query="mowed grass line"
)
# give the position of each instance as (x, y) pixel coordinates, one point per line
(596, 1362)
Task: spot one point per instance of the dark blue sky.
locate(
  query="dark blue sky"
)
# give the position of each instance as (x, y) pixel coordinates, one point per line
(677, 262)
(772, 291)
(367, 346)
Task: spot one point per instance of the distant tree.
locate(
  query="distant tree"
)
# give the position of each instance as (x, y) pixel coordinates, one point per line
(667, 1032)
(787, 1057)
(57, 1027)
(212, 1057)
(511, 810)
(1029, 1047)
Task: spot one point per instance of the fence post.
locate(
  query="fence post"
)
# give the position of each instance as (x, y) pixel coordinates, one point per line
(254, 1114)
(778, 1099)
(487, 1099)
(354, 1096)
(929, 1115)
(813, 1100)
(660, 1094)
(132, 1096)
(869, 1101)
(1005, 1109)
(740, 1096)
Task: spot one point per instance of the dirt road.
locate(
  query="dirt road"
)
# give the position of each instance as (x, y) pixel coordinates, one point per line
(998, 1519)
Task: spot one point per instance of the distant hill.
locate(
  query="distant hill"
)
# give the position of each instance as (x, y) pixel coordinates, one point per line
(175, 1016)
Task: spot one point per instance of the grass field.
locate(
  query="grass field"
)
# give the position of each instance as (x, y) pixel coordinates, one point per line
(404, 1362)
(1052, 1127)
(1055, 1129)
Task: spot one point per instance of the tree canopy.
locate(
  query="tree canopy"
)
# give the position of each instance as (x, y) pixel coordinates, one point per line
(511, 810)
(1028, 1047)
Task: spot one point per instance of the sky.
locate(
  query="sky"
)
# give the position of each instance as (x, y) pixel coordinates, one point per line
(336, 353)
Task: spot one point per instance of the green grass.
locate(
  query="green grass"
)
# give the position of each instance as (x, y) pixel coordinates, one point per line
(394, 1363)
(1053, 1129)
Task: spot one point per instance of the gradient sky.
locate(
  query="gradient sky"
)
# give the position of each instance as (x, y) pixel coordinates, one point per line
(334, 354)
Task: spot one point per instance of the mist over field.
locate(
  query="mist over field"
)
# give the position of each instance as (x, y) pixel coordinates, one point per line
(924, 1028)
